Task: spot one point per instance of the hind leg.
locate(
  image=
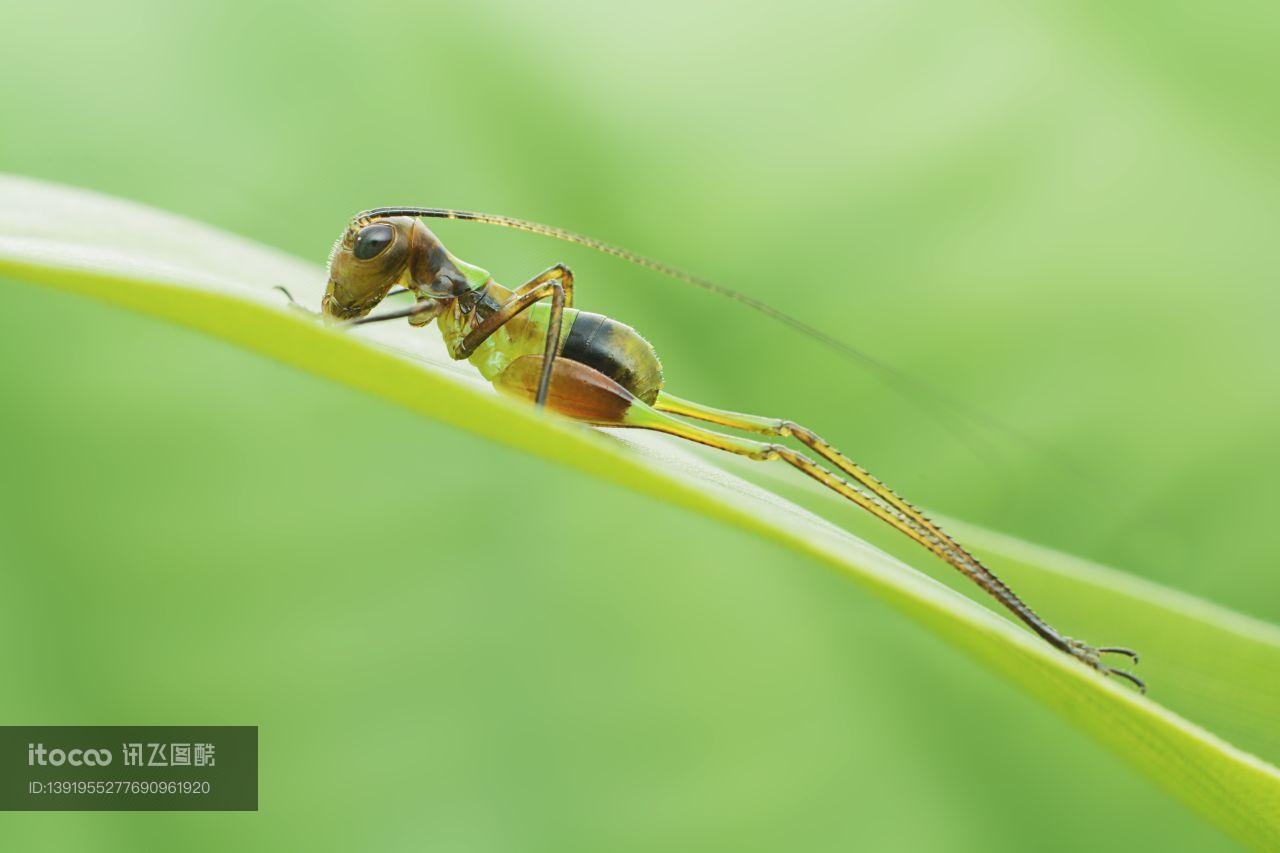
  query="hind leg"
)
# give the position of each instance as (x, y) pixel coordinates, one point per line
(585, 394)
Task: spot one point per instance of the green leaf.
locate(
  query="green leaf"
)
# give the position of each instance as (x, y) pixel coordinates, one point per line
(1207, 665)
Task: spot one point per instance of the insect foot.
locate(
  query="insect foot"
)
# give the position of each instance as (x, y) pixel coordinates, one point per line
(1093, 658)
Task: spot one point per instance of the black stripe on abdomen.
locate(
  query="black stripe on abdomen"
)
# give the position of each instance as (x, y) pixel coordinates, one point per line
(591, 342)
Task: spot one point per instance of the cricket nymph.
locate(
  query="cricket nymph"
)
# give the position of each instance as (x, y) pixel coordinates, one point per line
(531, 343)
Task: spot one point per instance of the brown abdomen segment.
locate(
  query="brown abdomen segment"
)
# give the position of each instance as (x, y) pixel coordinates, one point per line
(616, 350)
(576, 390)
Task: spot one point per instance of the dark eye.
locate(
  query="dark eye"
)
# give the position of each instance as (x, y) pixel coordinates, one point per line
(373, 240)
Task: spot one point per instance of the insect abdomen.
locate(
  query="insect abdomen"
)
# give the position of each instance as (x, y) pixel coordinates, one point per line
(616, 350)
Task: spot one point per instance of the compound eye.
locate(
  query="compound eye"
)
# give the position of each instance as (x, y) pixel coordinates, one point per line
(373, 240)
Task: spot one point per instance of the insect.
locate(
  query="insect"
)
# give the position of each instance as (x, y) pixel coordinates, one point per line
(532, 343)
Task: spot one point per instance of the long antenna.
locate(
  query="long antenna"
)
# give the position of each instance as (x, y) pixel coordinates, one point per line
(648, 263)
(848, 351)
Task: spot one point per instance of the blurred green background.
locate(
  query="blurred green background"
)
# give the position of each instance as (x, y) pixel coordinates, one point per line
(1062, 214)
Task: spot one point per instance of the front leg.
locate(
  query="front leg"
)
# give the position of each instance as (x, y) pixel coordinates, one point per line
(427, 308)
(424, 314)
(420, 313)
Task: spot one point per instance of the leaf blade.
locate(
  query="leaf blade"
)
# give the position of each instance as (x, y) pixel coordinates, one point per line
(222, 286)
